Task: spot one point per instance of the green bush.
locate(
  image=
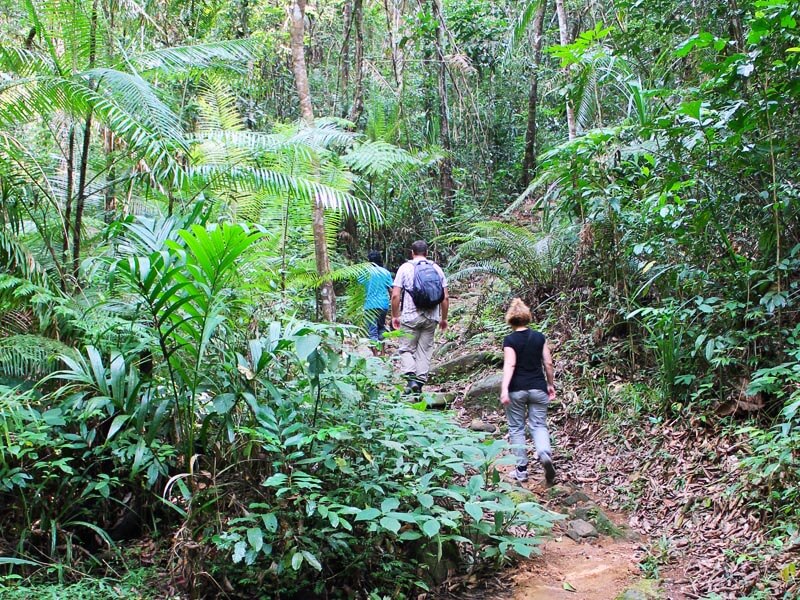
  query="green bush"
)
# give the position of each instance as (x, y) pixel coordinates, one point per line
(337, 485)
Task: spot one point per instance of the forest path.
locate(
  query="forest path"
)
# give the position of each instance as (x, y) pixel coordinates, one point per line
(592, 554)
(589, 568)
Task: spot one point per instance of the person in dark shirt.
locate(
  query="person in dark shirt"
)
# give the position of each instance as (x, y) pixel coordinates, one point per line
(527, 389)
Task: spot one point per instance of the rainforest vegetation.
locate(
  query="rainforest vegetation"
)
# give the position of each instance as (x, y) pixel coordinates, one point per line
(188, 192)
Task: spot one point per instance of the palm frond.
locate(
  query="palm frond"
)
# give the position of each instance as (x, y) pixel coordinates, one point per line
(377, 158)
(279, 182)
(324, 135)
(15, 257)
(521, 25)
(138, 97)
(217, 108)
(181, 59)
(31, 357)
(25, 63)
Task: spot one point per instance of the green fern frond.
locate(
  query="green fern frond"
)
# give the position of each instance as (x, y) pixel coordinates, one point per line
(377, 158)
(217, 108)
(31, 357)
(25, 63)
(138, 98)
(182, 59)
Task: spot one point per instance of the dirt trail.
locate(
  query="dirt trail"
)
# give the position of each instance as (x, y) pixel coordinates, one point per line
(594, 568)
(590, 571)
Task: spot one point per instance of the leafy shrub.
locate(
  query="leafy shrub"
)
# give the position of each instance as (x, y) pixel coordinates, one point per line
(333, 484)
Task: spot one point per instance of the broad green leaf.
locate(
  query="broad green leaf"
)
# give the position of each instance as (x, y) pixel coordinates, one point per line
(389, 504)
(474, 511)
(391, 524)
(256, 538)
(368, 514)
(312, 560)
(430, 527)
(425, 500)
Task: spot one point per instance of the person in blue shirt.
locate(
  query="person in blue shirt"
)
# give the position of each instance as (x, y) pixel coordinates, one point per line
(378, 283)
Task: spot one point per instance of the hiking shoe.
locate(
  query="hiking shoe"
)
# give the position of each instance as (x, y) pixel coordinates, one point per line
(518, 475)
(549, 469)
(413, 388)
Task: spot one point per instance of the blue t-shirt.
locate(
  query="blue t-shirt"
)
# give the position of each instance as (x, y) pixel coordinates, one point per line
(377, 283)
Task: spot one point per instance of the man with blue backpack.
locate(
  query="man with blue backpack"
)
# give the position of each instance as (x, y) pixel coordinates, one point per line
(419, 303)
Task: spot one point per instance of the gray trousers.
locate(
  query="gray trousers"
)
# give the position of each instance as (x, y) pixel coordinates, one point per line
(416, 346)
(530, 405)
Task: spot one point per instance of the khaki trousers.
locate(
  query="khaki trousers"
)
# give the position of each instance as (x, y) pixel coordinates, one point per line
(416, 347)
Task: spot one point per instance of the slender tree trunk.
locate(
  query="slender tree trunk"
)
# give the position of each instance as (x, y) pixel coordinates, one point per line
(529, 160)
(563, 33)
(736, 29)
(357, 107)
(110, 204)
(344, 56)
(326, 292)
(446, 183)
(394, 16)
(243, 26)
(80, 201)
(68, 204)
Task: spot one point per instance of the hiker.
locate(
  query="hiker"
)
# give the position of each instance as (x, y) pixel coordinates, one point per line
(419, 303)
(527, 389)
(377, 283)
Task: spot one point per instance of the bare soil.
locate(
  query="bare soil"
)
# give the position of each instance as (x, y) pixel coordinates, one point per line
(590, 571)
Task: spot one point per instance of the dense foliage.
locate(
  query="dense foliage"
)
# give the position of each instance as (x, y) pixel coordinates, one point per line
(627, 167)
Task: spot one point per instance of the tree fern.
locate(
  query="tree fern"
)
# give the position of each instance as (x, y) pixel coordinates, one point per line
(521, 258)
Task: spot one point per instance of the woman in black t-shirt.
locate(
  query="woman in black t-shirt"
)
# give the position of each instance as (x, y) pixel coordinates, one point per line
(527, 389)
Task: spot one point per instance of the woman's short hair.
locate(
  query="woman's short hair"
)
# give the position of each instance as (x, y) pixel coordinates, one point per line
(518, 314)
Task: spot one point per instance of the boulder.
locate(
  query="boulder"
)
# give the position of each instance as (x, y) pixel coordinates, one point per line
(486, 391)
(438, 400)
(462, 365)
(479, 425)
(579, 529)
(575, 498)
(595, 515)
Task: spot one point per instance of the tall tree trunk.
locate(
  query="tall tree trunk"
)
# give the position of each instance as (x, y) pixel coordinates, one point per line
(529, 160)
(735, 25)
(357, 107)
(326, 292)
(446, 183)
(243, 25)
(110, 204)
(80, 201)
(563, 33)
(68, 204)
(394, 18)
(344, 56)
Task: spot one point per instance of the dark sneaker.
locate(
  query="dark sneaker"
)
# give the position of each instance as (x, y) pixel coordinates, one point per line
(549, 469)
(413, 388)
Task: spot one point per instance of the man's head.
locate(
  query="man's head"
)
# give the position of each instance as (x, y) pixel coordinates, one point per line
(375, 257)
(419, 248)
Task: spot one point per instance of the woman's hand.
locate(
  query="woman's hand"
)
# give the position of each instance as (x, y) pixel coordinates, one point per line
(504, 399)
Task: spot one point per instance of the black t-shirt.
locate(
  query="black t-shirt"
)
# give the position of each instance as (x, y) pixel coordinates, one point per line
(528, 372)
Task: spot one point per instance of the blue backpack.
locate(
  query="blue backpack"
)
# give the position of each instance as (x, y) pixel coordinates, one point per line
(427, 291)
